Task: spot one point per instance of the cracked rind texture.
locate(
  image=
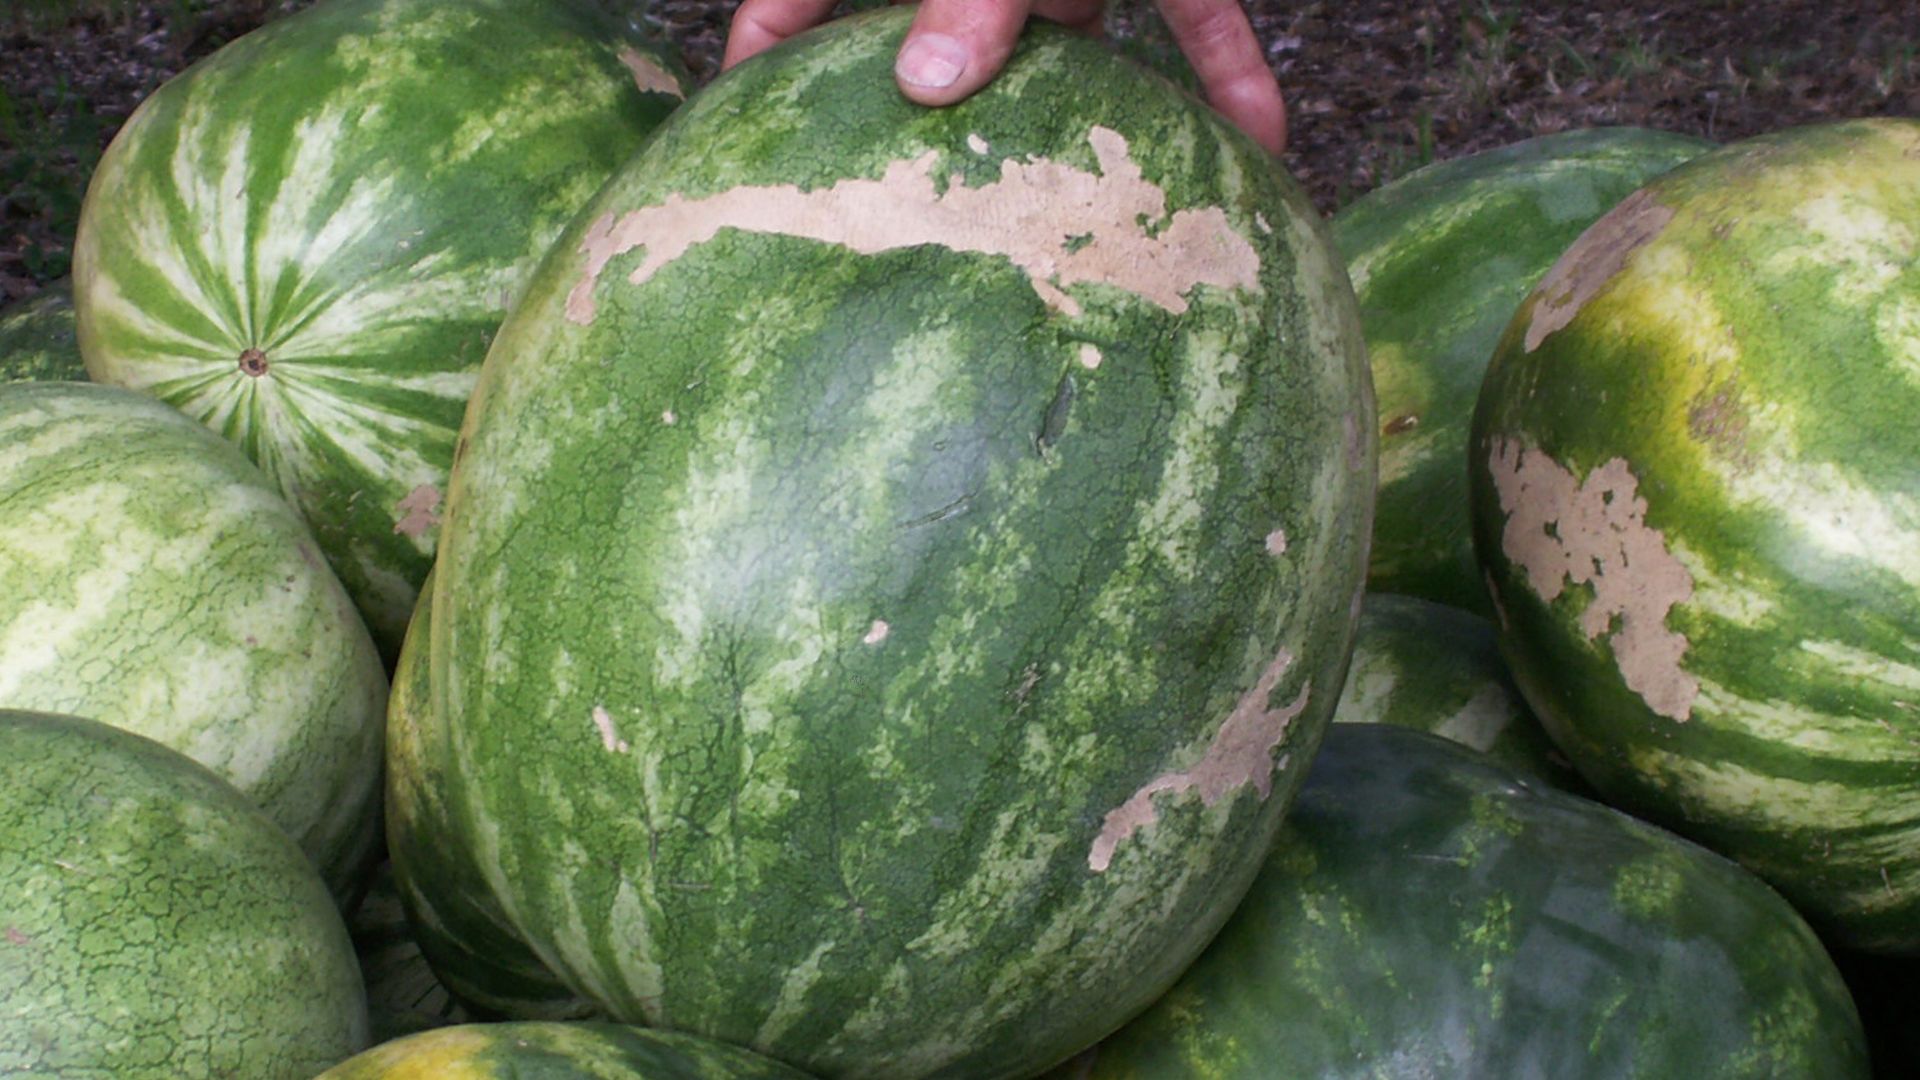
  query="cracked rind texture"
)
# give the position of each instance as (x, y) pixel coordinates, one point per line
(1435, 668)
(153, 579)
(1694, 499)
(356, 194)
(153, 924)
(1426, 912)
(1439, 259)
(804, 612)
(537, 1050)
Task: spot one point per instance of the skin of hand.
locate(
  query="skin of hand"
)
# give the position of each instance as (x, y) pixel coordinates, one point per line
(955, 47)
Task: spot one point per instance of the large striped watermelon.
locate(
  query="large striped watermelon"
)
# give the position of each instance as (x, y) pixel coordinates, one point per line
(901, 561)
(1697, 500)
(153, 924)
(1439, 259)
(1427, 913)
(308, 239)
(152, 578)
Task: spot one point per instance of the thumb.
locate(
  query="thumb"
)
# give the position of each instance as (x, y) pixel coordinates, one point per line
(955, 47)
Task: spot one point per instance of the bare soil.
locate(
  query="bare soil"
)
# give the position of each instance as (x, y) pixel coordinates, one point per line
(1375, 87)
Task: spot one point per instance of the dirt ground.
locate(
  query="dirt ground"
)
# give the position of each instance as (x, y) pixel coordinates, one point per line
(1375, 87)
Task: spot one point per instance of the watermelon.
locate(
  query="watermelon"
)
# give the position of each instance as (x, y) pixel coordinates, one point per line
(536, 1050)
(900, 561)
(466, 939)
(1428, 913)
(1696, 502)
(1439, 259)
(153, 923)
(307, 240)
(152, 578)
(37, 339)
(1435, 668)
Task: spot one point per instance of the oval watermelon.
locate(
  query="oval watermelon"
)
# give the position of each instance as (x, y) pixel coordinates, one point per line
(1429, 913)
(1695, 498)
(152, 578)
(38, 342)
(901, 561)
(307, 240)
(153, 923)
(535, 1050)
(1434, 668)
(1439, 260)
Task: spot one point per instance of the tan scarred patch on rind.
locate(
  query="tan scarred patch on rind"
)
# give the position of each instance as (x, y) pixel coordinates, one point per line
(419, 511)
(1240, 756)
(648, 75)
(1600, 253)
(1059, 224)
(1561, 530)
(1277, 542)
(876, 633)
(609, 738)
(1090, 356)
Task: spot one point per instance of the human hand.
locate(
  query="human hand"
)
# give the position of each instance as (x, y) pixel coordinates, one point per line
(955, 47)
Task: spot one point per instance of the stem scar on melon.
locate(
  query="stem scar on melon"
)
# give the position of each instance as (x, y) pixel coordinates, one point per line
(1586, 267)
(1561, 530)
(1241, 755)
(1059, 224)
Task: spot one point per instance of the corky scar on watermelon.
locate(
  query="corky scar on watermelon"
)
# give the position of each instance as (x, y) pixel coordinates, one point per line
(1561, 530)
(1600, 253)
(1059, 224)
(1240, 756)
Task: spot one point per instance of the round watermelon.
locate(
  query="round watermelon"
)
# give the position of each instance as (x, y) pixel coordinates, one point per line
(1439, 260)
(901, 561)
(1428, 913)
(155, 925)
(38, 341)
(1695, 497)
(152, 578)
(535, 1050)
(307, 240)
(1434, 668)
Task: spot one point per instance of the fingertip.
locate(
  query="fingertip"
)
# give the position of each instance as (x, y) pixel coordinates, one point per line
(930, 65)
(1256, 107)
(955, 47)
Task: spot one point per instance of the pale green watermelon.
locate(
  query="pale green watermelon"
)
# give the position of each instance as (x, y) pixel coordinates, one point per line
(153, 924)
(153, 579)
(901, 561)
(1697, 502)
(307, 240)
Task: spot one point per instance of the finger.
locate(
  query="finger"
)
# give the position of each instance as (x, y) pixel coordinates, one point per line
(1086, 16)
(955, 46)
(1220, 44)
(759, 25)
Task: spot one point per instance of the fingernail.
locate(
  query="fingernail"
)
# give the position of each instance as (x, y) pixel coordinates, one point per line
(931, 60)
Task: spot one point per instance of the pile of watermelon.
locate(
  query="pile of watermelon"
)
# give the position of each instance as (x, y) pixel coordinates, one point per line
(505, 571)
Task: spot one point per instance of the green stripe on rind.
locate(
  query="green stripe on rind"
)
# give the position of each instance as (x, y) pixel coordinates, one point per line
(37, 339)
(802, 624)
(1743, 391)
(1428, 913)
(153, 924)
(552, 1051)
(470, 945)
(1435, 668)
(403, 994)
(1440, 259)
(355, 191)
(151, 577)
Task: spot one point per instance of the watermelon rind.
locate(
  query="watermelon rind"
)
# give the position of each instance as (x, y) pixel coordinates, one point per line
(152, 578)
(882, 622)
(154, 924)
(1440, 258)
(1426, 912)
(38, 338)
(307, 240)
(1696, 505)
